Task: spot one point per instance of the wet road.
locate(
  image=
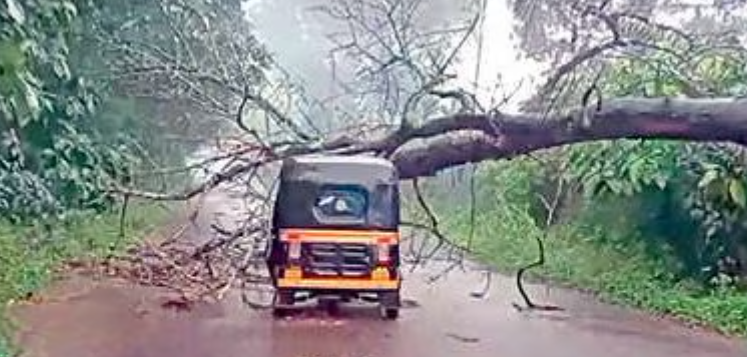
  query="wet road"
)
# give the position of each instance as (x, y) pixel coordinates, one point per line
(108, 318)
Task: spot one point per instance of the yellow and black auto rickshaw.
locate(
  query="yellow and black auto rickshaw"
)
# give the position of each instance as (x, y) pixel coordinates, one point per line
(336, 232)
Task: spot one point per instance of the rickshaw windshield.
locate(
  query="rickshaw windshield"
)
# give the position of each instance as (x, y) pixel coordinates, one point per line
(345, 202)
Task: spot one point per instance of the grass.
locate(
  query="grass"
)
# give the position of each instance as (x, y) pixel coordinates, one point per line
(28, 258)
(614, 265)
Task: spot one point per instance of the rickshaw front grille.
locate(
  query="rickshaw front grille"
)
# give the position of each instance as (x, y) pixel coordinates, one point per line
(337, 259)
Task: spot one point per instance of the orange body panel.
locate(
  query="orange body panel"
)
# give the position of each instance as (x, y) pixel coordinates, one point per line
(339, 236)
(379, 279)
(342, 284)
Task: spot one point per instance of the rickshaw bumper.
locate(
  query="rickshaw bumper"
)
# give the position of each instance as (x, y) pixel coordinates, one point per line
(339, 284)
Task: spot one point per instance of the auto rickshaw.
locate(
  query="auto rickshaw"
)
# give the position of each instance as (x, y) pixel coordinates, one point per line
(335, 232)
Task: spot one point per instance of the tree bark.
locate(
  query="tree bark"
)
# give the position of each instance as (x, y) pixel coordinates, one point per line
(464, 138)
(461, 139)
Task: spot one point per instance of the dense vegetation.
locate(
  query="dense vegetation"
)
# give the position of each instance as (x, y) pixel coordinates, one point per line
(68, 135)
(655, 224)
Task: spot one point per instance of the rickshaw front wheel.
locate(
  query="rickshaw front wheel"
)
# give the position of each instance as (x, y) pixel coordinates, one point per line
(390, 313)
(284, 299)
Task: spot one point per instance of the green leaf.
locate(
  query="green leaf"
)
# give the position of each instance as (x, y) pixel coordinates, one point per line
(615, 186)
(708, 178)
(12, 57)
(736, 191)
(60, 67)
(661, 181)
(31, 104)
(15, 11)
(69, 8)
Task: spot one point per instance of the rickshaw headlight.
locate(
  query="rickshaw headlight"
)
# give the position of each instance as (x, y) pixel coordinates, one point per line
(382, 253)
(294, 250)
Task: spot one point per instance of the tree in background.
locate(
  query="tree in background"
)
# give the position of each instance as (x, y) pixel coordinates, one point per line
(52, 157)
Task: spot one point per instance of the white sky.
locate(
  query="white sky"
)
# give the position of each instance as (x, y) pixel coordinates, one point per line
(295, 39)
(500, 57)
(499, 52)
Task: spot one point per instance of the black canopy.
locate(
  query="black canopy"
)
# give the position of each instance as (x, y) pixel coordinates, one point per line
(363, 170)
(337, 192)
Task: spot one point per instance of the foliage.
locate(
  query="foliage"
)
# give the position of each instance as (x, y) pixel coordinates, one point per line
(51, 159)
(627, 167)
(86, 97)
(188, 62)
(702, 186)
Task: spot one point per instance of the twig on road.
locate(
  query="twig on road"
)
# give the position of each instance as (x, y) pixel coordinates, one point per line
(481, 294)
(463, 339)
(551, 208)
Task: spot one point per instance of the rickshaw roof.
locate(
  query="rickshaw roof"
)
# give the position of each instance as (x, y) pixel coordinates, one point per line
(339, 168)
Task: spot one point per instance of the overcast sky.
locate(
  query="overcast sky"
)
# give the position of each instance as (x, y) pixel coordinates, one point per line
(499, 57)
(297, 38)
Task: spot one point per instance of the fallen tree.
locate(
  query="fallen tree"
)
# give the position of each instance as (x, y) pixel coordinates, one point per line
(452, 141)
(505, 136)
(467, 138)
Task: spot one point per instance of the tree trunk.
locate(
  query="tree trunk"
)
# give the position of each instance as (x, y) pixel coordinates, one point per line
(460, 139)
(463, 138)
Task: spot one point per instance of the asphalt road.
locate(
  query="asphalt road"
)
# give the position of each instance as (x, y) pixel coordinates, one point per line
(84, 318)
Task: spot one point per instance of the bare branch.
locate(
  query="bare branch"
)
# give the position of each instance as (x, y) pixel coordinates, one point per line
(540, 239)
(463, 138)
